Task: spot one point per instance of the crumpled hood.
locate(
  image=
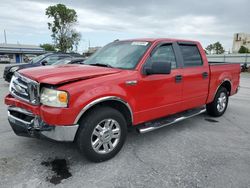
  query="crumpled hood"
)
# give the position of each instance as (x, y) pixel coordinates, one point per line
(65, 73)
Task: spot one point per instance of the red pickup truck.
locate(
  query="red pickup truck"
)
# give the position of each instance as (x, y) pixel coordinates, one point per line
(142, 83)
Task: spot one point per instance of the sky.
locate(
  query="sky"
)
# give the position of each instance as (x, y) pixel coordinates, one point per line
(102, 21)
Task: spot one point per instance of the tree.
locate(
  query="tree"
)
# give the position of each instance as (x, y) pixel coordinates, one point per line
(215, 48)
(48, 47)
(65, 37)
(209, 48)
(243, 50)
(218, 48)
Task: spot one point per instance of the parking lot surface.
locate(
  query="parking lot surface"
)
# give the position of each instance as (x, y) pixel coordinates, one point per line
(198, 152)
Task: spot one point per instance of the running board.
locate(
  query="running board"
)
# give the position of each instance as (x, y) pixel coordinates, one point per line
(157, 124)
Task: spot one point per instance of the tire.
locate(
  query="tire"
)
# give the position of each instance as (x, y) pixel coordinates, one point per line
(219, 105)
(102, 134)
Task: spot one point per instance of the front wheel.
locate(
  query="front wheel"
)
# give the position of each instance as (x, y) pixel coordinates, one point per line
(102, 134)
(219, 105)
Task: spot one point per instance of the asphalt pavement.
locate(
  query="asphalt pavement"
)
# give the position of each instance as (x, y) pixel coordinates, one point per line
(198, 152)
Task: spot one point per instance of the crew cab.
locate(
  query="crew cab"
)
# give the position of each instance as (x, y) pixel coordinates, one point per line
(141, 83)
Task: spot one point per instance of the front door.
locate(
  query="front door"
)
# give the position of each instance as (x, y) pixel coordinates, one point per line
(159, 94)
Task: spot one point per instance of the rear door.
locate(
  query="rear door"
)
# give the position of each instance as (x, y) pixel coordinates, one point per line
(195, 76)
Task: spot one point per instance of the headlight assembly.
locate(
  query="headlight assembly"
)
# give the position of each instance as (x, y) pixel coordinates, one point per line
(54, 98)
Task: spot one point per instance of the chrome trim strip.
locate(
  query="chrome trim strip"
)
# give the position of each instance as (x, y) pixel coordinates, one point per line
(11, 117)
(21, 110)
(22, 99)
(17, 82)
(221, 84)
(25, 78)
(148, 129)
(108, 98)
(16, 96)
(131, 82)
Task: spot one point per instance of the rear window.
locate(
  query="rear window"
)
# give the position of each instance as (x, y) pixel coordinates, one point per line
(191, 55)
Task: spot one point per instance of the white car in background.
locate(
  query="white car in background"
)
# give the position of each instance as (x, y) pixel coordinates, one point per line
(4, 59)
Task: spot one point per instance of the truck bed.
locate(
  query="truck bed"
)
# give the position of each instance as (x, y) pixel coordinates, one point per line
(220, 72)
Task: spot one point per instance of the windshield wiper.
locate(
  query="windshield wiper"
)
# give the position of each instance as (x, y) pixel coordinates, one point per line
(101, 65)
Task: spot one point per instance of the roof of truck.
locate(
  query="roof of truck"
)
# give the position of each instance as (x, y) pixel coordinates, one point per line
(159, 39)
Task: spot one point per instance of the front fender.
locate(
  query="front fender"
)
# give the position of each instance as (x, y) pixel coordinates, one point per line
(87, 98)
(109, 87)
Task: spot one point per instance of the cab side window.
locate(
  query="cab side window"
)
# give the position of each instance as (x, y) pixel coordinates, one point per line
(191, 55)
(164, 53)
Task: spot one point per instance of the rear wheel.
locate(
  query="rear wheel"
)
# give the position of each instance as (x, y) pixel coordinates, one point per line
(219, 105)
(102, 134)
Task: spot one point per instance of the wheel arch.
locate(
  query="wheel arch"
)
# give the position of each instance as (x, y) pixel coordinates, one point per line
(226, 83)
(112, 101)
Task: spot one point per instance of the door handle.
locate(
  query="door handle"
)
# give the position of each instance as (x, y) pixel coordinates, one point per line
(204, 75)
(178, 78)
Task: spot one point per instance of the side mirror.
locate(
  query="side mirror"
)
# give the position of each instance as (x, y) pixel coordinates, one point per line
(161, 67)
(44, 62)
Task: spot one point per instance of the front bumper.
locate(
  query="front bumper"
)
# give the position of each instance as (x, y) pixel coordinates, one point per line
(25, 123)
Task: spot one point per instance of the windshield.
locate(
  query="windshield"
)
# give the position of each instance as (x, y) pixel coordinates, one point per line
(121, 54)
(38, 58)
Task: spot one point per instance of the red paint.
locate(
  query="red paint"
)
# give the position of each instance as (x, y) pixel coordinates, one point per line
(65, 73)
(154, 96)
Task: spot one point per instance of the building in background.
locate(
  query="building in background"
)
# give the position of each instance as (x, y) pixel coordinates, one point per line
(17, 53)
(91, 50)
(240, 39)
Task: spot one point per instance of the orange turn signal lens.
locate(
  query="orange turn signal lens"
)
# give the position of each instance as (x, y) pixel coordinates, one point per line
(63, 97)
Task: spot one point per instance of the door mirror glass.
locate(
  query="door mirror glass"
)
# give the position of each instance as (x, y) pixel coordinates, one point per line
(161, 61)
(160, 67)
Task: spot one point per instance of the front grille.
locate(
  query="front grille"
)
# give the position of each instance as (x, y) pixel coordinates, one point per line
(24, 89)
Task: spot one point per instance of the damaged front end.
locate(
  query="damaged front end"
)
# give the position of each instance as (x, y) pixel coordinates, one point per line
(25, 123)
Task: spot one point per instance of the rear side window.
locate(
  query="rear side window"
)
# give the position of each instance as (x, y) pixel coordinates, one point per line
(191, 55)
